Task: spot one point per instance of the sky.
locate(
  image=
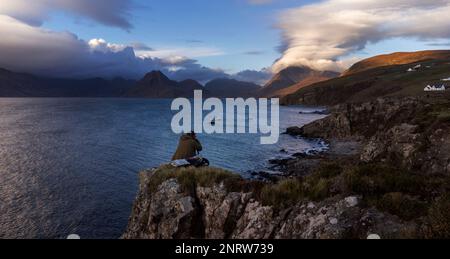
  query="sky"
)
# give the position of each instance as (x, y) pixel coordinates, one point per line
(201, 39)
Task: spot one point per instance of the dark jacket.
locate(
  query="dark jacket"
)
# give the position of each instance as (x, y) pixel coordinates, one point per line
(187, 148)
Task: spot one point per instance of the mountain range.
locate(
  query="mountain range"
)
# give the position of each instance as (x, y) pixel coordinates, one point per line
(156, 85)
(229, 88)
(26, 85)
(396, 74)
(153, 85)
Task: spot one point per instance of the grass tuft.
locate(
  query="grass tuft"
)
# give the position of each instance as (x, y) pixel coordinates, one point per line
(190, 177)
(282, 194)
(439, 218)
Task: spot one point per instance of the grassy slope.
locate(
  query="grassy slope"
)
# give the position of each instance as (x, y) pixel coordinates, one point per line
(398, 58)
(374, 83)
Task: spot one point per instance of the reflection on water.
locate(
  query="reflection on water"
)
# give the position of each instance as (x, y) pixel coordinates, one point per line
(70, 165)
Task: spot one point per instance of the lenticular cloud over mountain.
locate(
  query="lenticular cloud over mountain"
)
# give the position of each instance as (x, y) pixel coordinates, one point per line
(319, 35)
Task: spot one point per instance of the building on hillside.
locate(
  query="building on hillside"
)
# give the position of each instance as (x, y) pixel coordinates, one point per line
(413, 69)
(433, 88)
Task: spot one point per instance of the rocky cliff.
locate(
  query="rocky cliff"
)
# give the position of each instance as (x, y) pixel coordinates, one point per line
(401, 163)
(169, 208)
(409, 132)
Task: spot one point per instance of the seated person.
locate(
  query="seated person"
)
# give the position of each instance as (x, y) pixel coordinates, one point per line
(188, 149)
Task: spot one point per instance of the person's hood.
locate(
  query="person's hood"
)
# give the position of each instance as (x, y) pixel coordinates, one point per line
(186, 137)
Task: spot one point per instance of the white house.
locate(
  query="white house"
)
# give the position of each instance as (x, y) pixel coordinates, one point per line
(413, 69)
(433, 88)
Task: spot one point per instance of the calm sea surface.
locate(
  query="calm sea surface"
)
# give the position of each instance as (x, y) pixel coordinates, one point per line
(71, 165)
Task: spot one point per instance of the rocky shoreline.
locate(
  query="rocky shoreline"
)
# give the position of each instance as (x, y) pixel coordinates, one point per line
(387, 172)
(408, 131)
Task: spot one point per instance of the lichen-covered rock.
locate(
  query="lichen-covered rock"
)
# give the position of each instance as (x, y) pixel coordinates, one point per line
(337, 125)
(220, 210)
(166, 214)
(213, 212)
(400, 142)
(338, 219)
(408, 132)
(257, 222)
(359, 121)
(436, 158)
(331, 219)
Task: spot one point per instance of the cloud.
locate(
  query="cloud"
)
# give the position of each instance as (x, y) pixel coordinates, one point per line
(190, 69)
(25, 48)
(254, 52)
(320, 35)
(108, 12)
(139, 46)
(176, 52)
(259, 2)
(101, 45)
(439, 44)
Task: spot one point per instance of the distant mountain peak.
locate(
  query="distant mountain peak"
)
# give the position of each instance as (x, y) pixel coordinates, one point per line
(290, 79)
(156, 74)
(231, 88)
(5, 71)
(189, 85)
(156, 84)
(190, 82)
(298, 68)
(224, 79)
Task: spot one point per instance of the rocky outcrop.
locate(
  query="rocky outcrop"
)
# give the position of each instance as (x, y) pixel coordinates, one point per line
(169, 203)
(407, 132)
(365, 119)
(213, 212)
(400, 140)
